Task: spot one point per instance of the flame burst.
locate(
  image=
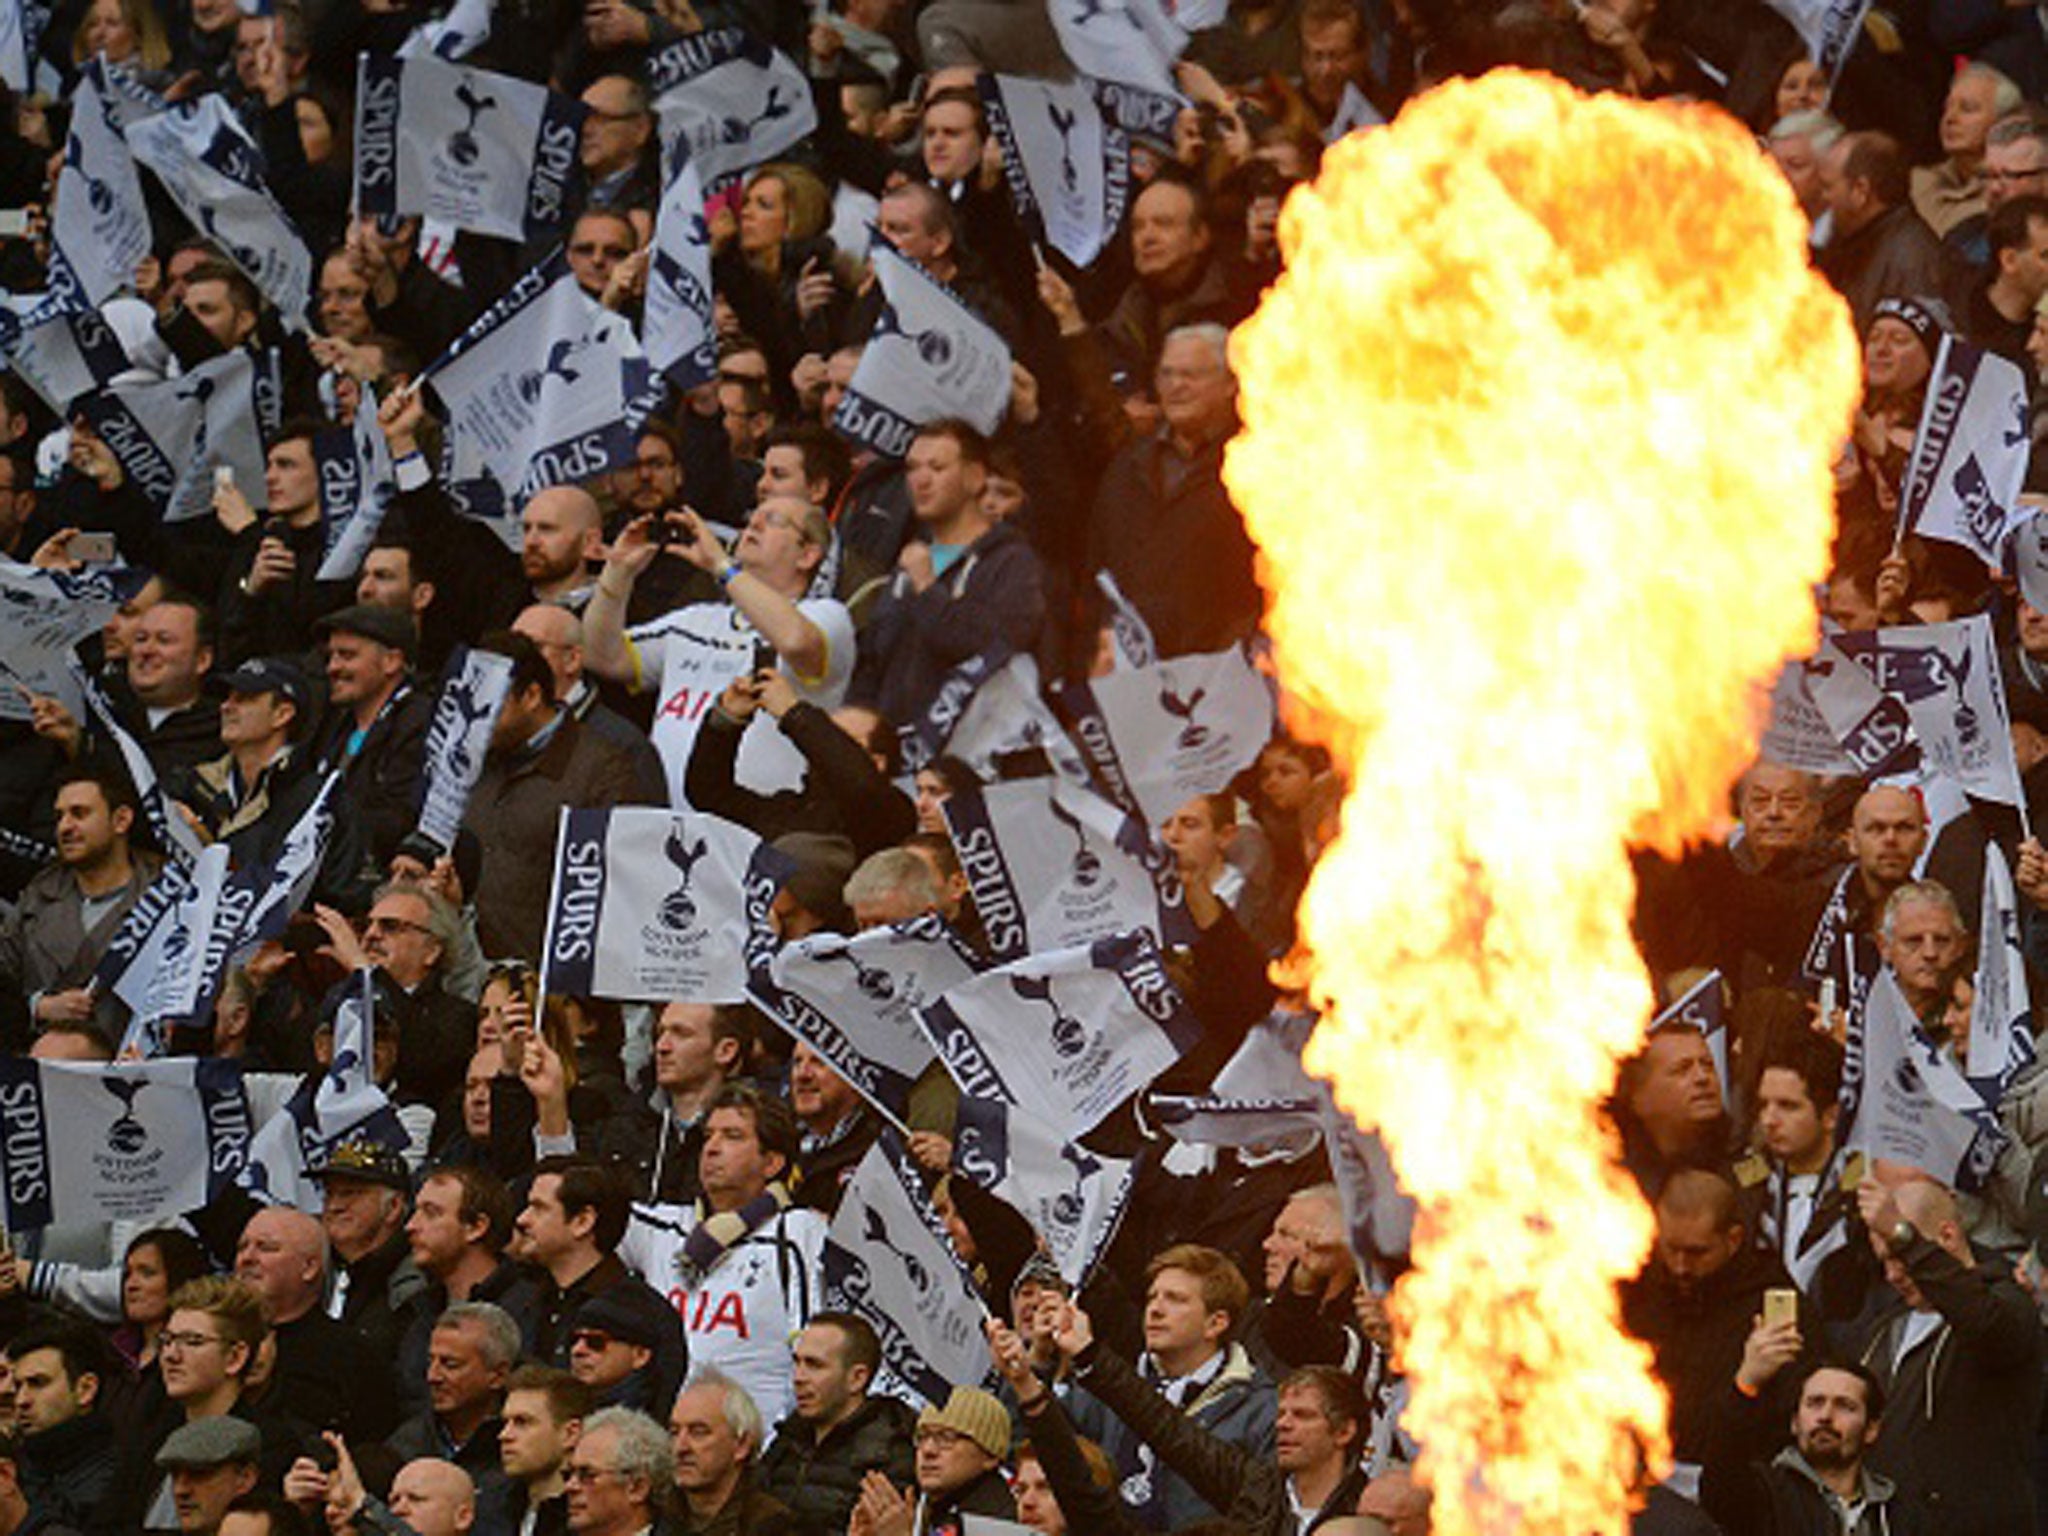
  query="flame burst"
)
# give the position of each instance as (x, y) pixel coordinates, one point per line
(1537, 432)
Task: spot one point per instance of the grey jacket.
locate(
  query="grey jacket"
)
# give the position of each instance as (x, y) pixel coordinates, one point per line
(45, 946)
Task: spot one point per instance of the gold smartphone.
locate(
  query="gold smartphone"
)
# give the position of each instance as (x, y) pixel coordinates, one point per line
(1781, 1305)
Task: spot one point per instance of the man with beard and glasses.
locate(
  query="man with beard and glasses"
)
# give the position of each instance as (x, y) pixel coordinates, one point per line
(1818, 1483)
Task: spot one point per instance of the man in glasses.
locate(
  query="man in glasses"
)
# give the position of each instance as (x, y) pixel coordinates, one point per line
(619, 1474)
(409, 936)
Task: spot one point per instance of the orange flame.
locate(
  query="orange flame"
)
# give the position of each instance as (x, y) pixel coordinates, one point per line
(1537, 431)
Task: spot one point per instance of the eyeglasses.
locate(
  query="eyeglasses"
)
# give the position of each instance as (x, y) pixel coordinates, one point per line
(376, 924)
(944, 1439)
(575, 1472)
(590, 1338)
(181, 1342)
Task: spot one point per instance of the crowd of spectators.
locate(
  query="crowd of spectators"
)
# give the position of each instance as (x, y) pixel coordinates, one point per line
(587, 1294)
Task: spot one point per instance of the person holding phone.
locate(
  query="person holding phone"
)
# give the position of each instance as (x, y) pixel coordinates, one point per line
(694, 653)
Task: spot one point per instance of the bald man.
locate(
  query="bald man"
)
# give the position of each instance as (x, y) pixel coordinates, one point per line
(1959, 1355)
(559, 634)
(560, 532)
(434, 1497)
(326, 1374)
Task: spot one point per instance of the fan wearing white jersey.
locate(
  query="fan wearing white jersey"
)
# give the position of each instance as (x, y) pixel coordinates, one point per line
(742, 1267)
(693, 653)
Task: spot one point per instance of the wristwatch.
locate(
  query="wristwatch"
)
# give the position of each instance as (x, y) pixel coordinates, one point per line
(1904, 1234)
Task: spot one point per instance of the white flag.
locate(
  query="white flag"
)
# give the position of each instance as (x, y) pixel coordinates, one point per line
(1134, 645)
(547, 387)
(100, 223)
(466, 28)
(985, 709)
(731, 100)
(357, 487)
(1829, 28)
(170, 437)
(1071, 1196)
(136, 1142)
(1379, 1220)
(1158, 736)
(44, 614)
(2026, 557)
(676, 326)
(1133, 41)
(1915, 1105)
(1052, 864)
(928, 356)
(887, 1261)
(2002, 1016)
(1798, 735)
(1948, 679)
(854, 1000)
(214, 173)
(650, 903)
(458, 738)
(1969, 459)
(168, 988)
(174, 835)
(341, 1104)
(17, 52)
(475, 150)
(1070, 1035)
(1069, 172)
(61, 351)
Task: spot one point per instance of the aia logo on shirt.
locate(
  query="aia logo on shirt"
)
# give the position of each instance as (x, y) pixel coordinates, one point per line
(707, 1312)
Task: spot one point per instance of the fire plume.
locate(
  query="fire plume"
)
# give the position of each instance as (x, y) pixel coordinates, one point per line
(1537, 431)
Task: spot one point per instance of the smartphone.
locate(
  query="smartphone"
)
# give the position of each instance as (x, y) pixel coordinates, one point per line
(277, 528)
(13, 223)
(223, 477)
(1781, 1305)
(1827, 1003)
(765, 659)
(92, 548)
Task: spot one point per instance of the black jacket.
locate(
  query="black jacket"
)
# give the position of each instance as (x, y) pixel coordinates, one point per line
(819, 1480)
(67, 1471)
(991, 597)
(382, 776)
(1748, 1489)
(844, 792)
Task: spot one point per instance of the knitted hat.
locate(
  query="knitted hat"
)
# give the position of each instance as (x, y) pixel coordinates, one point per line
(974, 1413)
(1925, 318)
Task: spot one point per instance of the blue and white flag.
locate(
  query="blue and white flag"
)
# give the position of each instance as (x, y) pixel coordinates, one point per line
(170, 437)
(61, 351)
(357, 486)
(340, 1104)
(261, 898)
(44, 614)
(928, 356)
(651, 903)
(1161, 735)
(986, 709)
(466, 28)
(1147, 116)
(166, 986)
(17, 47)
(2002, 1015)
(854, 1000)
(1969, 459)
(1130, 636)
(1829, 28)
(484, 152)
(1131, 41)
(1072, 1197)
(1052, 864)
(1070, 1034)
(676, 326)
(100, 223)
(1701, 1008)
(134, 1142)
(173, 834)
(547, 387)
(888, 1260)
(458, 737)
(1948, 678)
(1871, 729)
(1262, 1097)
(2026, 557)
(1798, 734)
(730, 100)
(214, 173)
(1069, 172)
(1915, 1106)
